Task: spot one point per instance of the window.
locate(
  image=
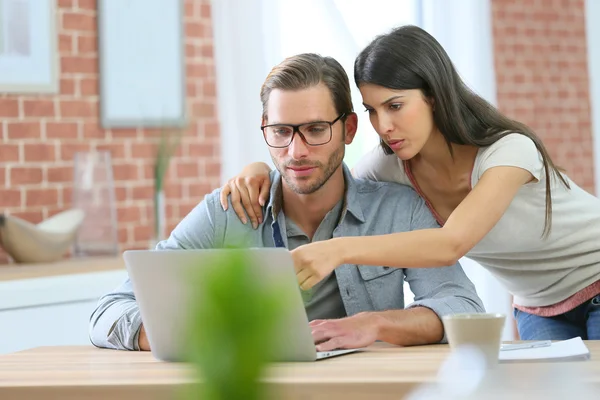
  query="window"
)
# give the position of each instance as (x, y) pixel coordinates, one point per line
(341, 29)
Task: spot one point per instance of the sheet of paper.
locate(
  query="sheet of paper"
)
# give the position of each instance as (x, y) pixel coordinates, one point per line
(566, 350)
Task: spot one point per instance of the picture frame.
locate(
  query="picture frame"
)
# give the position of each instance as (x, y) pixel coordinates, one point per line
(29, 61)
(142, 63)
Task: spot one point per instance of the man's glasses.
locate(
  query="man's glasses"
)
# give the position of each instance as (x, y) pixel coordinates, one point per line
(315, 133)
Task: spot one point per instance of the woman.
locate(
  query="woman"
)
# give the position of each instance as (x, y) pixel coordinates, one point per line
(488, 180)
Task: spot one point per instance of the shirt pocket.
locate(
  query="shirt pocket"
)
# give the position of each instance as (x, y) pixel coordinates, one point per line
(384, 286)
(369, 273)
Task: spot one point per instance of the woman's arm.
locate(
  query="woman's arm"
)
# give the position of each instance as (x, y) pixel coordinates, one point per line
(474, 217)
(421, 248)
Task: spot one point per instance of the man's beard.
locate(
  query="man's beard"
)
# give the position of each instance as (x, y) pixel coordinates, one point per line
(325, 172)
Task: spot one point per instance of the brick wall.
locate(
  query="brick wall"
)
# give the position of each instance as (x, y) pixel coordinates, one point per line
(542, 77)
(40, 133)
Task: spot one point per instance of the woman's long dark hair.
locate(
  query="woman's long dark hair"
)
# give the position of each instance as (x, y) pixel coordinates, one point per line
(410, 58)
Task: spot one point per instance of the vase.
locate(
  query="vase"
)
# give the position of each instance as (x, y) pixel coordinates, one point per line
(160, 219)
(94, 194)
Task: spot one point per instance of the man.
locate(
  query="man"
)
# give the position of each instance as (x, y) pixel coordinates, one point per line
(307, 121)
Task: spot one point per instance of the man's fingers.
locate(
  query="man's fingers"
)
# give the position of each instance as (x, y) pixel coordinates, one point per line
(326, 331)
(338, 342)
(237, 203)
(316, 322)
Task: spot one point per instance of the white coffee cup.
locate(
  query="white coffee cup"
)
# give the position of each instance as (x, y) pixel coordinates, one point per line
(482, 331)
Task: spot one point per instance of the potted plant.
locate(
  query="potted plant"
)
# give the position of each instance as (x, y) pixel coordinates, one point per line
(230, 330)
(167, 145)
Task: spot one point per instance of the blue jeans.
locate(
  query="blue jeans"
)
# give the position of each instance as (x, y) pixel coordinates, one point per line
(583, 321)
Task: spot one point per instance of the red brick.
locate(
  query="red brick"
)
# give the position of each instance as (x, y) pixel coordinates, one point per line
(26, 176)
(89, 87)
(212, 168)
(195, 70)
(10, 198)
(209, 88)
(60, 174)
(62, 130)
(204, 150)
(87, 44)
(207, 51)
(9, 152)
(120, 194)
(66, 4)
(125, 172)
(187, 169)
(189, 8)
(77, 21)
(211, 129)
(41, 197)
(129, 214)
(87, 4)
(34, 217)
(67, 86)
(2, 177)
(38, 108)
(142, 233)
(78, 109)
(39, 152)
(205, 11)
(143, 150)
(197, 191)
(145, 192)
(123, 133)
(65, 43)
(79, 65)
(194, 30)
(542, 78)
(67, 195)
(68, 150)
(204, 109)
(117, 150)
(92, 130)
(122, 234)
(9, 108)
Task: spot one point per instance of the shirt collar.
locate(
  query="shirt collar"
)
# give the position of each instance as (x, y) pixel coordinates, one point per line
(351, 199)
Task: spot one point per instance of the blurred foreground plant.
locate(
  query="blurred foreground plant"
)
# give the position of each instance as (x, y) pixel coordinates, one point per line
(231, 326)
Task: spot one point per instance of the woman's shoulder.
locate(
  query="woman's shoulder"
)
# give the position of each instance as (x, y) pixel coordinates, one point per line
(378, 166)
(513, 149)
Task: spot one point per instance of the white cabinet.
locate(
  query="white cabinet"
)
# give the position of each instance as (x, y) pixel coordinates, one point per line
(51, 310)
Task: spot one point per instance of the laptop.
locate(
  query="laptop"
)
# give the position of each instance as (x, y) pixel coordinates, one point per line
(161, 284)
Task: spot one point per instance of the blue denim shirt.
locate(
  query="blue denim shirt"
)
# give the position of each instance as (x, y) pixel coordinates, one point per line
(370, 208)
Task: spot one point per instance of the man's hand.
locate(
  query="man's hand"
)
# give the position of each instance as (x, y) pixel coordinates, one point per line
(143, 339)
(316, 260)
(360, 330)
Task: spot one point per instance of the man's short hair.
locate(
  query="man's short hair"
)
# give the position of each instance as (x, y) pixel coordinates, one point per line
(306, 70)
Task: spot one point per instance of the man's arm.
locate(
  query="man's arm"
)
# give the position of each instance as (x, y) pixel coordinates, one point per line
(116, 322)
(443, 290)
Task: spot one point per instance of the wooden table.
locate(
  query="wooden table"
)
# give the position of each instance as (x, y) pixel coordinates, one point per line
(84, 372)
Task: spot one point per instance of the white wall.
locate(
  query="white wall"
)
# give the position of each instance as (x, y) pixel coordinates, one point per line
(465, 32)
(592, 12)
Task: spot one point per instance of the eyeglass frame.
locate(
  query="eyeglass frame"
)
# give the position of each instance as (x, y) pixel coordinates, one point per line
(296, 129)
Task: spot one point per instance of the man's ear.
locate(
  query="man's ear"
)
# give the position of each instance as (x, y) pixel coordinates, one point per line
(351, 125)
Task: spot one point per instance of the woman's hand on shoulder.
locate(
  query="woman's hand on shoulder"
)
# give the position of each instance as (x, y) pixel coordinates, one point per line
(249, 192)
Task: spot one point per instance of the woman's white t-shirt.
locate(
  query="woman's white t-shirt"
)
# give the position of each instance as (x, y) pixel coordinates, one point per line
(537, 271)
